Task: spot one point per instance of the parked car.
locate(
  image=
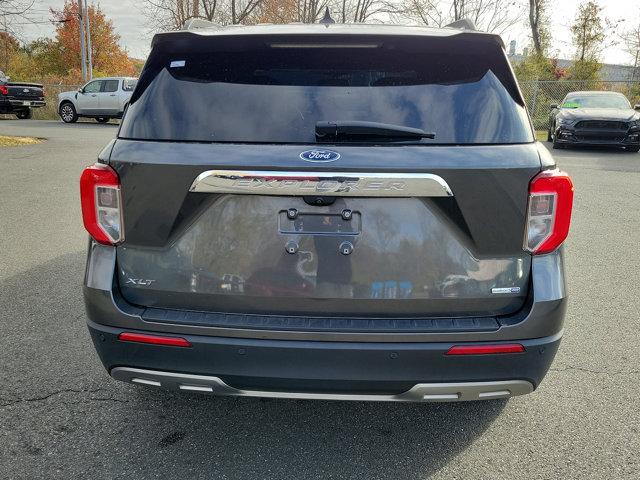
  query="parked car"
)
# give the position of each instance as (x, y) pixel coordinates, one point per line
(20, 98)
(102, 99)
(595, 118)
(375, 156)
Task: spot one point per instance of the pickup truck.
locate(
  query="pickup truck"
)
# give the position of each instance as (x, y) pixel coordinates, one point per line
(102, 99)
(20, 98)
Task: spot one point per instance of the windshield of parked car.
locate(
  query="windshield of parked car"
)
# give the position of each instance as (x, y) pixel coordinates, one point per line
(596, 101)
(278, 92)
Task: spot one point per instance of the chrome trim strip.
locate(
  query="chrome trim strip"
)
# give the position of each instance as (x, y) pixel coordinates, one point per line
(421, 392)
(338, 184)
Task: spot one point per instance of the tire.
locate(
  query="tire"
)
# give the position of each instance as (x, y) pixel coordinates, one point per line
(24, 114)
(550, 135)
(68, 113)
(102, 119)
(634, 149)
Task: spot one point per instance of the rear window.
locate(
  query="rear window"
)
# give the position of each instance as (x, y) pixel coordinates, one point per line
(129, 84)
(110, 86)
(275, 90)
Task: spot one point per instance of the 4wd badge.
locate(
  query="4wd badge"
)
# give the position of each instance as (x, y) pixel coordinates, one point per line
(320, 156)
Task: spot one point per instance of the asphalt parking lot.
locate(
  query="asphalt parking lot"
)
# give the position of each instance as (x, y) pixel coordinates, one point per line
(61, 416)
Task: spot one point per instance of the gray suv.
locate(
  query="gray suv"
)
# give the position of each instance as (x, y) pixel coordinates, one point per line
(329, 212)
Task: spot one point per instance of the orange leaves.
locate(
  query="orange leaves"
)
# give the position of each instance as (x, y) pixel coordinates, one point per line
(108, 57)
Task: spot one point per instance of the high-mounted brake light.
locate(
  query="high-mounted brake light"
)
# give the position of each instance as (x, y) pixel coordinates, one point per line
(548, 211)
(485, 349)
(102, 204)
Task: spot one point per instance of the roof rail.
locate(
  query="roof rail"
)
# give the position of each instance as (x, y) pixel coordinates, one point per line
(195, 23)
(462, 24)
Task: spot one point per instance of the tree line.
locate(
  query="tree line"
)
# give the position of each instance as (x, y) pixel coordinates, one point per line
(591, 33)
(57, 59)
(489, 15)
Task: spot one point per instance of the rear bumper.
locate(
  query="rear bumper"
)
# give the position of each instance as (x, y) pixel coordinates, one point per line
(391, 365)
(326, 370)
(422, 392)
(17, 104)
(8, 106)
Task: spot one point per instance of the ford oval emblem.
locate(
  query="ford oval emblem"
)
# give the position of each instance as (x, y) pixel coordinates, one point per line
(320, 156)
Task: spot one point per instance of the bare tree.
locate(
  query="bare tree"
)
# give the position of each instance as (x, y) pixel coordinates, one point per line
(631, 41)
(489, 15)
(15, 7)
(494, 16)
(631, 44)
(11, 10)
(360, 11)
(172, 14)
(588, 31)
(310, 11)
(538, 23)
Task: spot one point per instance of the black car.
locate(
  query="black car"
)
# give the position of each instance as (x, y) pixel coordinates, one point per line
(595, 119)
(19, 97)
(349, 212)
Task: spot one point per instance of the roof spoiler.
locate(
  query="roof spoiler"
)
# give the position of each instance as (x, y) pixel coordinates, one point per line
(463, 24)
(195, 23)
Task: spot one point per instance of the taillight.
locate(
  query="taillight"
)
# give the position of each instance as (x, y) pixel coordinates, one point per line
(548, 211)
(4, 90)
(102, 203)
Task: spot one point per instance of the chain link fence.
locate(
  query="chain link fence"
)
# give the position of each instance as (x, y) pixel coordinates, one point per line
(539, 95)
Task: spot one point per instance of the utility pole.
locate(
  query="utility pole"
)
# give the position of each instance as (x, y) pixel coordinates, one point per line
(88, 33)
(83, 51)
(6, 45)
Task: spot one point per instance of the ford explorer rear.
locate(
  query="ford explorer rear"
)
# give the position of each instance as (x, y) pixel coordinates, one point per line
(338, 212)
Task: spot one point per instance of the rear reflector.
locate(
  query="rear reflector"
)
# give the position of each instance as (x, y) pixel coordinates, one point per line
(548, 212)
(101, 203)
(153, 339)
(485, 349)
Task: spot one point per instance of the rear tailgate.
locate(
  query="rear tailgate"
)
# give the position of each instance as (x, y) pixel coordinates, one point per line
(26, 92)
(419, 255)
(249, 105)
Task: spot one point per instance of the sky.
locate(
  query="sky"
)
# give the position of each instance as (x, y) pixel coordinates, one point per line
(135, 37)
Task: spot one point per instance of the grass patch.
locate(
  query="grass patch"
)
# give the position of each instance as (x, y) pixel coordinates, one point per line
(541, 135)
(6, 141)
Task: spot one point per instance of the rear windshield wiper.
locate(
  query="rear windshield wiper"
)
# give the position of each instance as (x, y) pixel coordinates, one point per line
(355, 129)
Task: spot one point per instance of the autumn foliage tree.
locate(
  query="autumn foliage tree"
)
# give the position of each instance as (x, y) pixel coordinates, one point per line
(8, 46)
(108, 57)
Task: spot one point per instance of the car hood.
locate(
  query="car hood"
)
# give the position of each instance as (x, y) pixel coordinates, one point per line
(598, 114)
